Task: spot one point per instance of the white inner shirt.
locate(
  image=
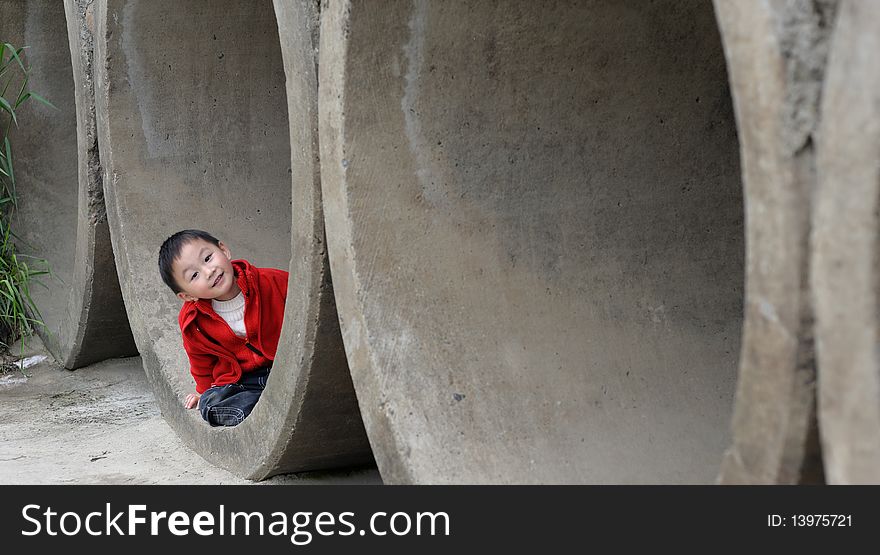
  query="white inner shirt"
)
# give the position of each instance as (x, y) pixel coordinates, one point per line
(233, 312)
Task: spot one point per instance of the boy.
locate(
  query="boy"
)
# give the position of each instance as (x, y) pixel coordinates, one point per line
(230, 322)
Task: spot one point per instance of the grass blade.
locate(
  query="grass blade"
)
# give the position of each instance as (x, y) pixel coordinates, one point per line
(4, 104)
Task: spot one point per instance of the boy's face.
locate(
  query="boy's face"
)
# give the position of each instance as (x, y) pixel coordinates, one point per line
(203, 271)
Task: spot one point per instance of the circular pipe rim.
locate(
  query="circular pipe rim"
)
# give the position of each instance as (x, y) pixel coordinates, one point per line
(305, 419)
(774, 420)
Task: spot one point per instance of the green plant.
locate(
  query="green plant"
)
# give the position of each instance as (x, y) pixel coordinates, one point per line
(19, 314)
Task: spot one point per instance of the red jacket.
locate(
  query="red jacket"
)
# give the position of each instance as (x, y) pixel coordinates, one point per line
(216, 355)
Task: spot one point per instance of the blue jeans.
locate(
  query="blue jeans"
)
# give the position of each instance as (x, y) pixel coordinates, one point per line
(229, 405)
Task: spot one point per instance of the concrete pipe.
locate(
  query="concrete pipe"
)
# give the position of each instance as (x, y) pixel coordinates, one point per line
(193, 125)
(61, 216)
(535, 221)
(846, 274)
(776, 55)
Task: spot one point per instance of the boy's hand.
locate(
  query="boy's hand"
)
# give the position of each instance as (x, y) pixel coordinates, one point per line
(192, 400)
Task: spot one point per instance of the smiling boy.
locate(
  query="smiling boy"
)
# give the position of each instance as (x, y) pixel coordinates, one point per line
(230, 322)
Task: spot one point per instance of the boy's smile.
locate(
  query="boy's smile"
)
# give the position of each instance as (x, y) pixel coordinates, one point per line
(204, 271)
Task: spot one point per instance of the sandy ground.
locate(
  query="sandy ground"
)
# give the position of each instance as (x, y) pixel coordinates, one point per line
(101, 425)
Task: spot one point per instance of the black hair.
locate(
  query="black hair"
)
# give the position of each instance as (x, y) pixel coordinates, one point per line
(170, 251)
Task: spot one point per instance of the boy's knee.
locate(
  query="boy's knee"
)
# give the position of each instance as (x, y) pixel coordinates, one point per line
(224, 416)
(227, 405)
(210, 397)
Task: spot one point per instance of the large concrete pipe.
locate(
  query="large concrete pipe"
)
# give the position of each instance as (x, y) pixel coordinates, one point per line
(776, 55)
(535, 221)
(193, 126)
(846, 273)
(61, 216)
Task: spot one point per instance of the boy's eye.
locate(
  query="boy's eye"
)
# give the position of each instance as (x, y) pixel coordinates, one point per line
(207, 258)
(192, 277)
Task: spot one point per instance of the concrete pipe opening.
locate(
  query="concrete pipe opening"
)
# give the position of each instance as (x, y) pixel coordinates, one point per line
(193, 122)
(535, 221)
(60, 215)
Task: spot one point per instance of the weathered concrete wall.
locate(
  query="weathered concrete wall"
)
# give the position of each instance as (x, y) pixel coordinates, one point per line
(776, 54)
(61, 215)
(846, 273)
(535, 222)
(547, 265)
(193, 128)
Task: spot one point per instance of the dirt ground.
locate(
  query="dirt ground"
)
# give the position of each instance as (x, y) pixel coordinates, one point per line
(101, 425)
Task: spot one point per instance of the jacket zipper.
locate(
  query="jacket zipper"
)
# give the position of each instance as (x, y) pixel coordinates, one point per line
(247, 342)
(254, 349)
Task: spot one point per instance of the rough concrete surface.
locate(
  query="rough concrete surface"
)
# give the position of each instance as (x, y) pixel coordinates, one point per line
(101, 425)
(60, 215)
(584, 242)
(535, 221)
(846, 273)
(775, 54)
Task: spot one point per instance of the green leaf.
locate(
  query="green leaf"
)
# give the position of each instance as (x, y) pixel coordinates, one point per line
(40, 99)
(21, 96)
(10, 170)
(8, 108)
(4, 63)
(6, 86)
(15, 54)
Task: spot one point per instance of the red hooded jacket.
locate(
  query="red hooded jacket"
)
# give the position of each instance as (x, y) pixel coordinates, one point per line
(216, 355)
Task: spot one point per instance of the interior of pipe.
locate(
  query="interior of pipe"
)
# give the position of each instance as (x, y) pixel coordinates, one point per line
(199, 140)
(546, 221)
